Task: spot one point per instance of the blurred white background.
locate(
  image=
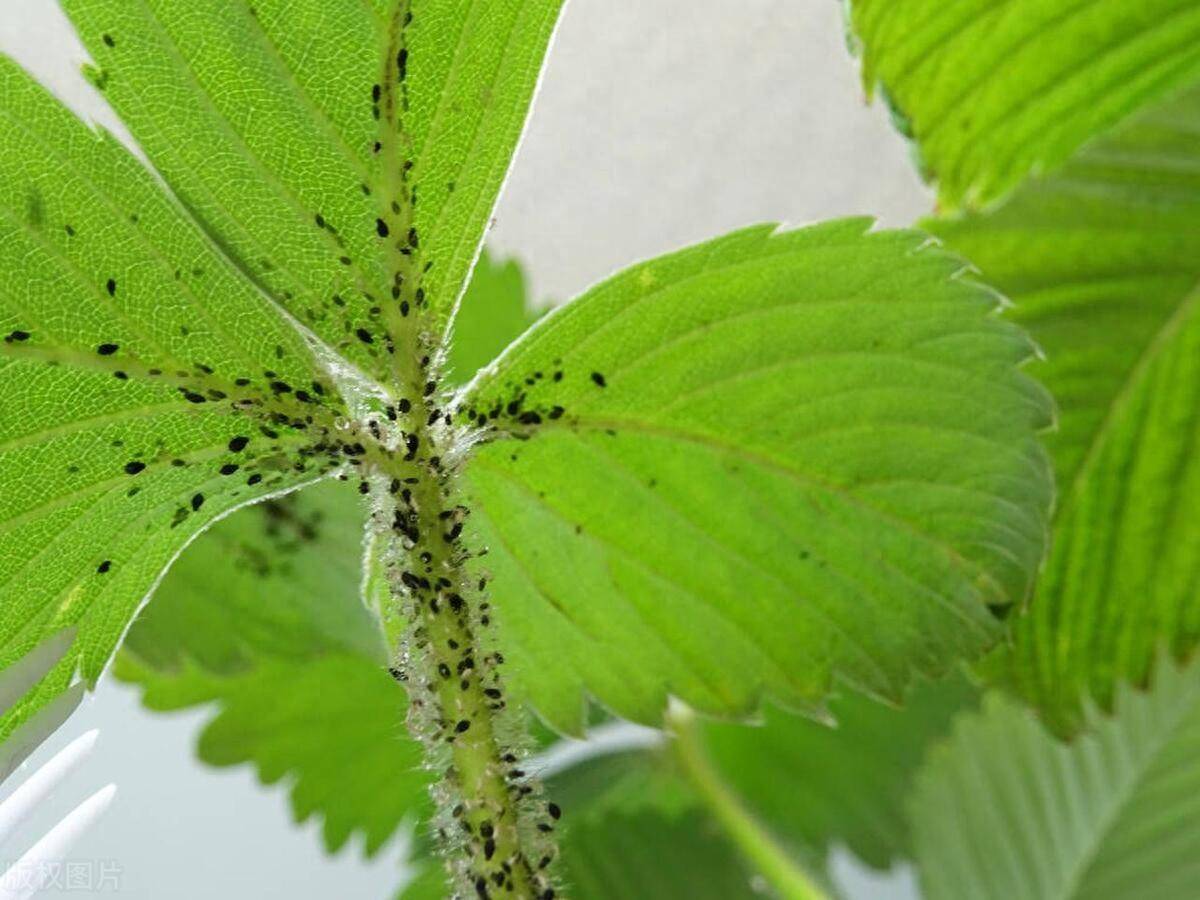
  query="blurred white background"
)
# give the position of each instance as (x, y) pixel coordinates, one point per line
(659, 123)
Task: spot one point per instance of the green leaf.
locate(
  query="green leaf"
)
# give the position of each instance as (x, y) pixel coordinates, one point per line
(495, 310)
(264, 117)
(277, 581)
(161, 351)
(135, 408)
(332, 724)
(766, 462)
(816, 785)
(652, 855)
(1103, 264)
(991, 92)
(263, 616)
(1005, 810)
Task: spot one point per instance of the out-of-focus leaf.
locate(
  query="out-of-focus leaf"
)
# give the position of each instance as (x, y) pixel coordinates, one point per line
(1102, 262)
(1005, 810)
(991, 92)
(495, 311)
(817, 786)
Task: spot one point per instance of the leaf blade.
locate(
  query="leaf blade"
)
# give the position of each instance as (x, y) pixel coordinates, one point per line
(134, 365)
(1043, 819)
(1100, 260)
(289, 148)
(637, 490)
(992, 92)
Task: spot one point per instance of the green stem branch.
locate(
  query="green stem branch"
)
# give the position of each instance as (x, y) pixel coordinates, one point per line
(761, 850)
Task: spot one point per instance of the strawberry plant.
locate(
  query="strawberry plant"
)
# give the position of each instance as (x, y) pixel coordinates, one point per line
(781, 475)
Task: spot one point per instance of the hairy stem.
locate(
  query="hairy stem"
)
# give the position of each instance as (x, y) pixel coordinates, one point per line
(493, 825)
(756, 844)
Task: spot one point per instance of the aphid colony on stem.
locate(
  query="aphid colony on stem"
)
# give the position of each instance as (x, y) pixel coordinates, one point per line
(404, 446)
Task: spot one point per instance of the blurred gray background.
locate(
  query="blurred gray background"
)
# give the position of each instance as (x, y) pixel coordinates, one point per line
(659, 123)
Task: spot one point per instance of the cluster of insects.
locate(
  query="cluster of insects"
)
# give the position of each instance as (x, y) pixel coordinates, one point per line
(403, 449)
